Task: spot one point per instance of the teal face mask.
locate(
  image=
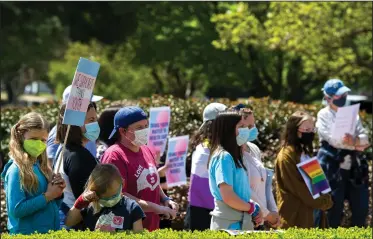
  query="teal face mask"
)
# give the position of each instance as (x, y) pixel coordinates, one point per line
(243, 135)
(92, 131)
(111, 201)
(253, 134)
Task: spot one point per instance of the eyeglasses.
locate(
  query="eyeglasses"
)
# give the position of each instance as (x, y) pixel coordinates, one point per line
(313, 130)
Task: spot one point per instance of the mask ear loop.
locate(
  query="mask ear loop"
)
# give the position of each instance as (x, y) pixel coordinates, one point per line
(131, 141)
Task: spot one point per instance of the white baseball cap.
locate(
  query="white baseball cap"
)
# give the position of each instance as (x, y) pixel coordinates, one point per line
(211, 111)
(66, 94)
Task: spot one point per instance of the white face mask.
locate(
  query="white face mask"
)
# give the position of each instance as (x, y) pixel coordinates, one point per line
(141, 137)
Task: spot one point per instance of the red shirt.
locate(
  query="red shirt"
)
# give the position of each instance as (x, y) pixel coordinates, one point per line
(140, 176)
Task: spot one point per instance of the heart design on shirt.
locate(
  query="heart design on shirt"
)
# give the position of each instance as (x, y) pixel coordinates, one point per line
(118, 220)
(151, 178)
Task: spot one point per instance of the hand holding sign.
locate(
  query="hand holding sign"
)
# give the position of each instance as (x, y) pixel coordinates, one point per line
(314, 177)
(79, 98)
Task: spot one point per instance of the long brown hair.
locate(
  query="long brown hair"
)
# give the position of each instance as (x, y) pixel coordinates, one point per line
(28, 179)
(290, 133)
(224, 136)
(100, 180)
(203, 133)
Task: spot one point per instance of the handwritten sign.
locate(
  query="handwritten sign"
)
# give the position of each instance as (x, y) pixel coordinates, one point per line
(176, 159)
(314, 177)
(159, 127)
(345, 121)
(81, 92)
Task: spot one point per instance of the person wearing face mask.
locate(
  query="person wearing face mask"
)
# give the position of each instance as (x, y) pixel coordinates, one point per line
(346, 172)
(33, 193)
(76, 161)
(260, 178)
(229, 185)
(102, 205)
(295, 202)
(54, 148)
(137, 164)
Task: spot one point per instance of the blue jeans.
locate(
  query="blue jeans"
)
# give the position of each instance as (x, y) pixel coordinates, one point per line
(357, 195)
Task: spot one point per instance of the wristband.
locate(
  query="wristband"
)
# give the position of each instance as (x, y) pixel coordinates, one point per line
(165, 199)
(80, 203)
(256, 211)
(252, 208)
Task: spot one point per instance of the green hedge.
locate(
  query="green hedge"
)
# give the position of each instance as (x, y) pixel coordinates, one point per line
(186, 115)
(340, 233)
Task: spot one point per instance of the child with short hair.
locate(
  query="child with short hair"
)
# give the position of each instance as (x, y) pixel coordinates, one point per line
(102, 205)
(33, 193)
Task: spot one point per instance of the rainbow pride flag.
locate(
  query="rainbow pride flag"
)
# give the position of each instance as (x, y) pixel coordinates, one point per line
(314, 177)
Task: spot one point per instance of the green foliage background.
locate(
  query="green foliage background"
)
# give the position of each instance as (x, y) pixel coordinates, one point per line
(285, 50)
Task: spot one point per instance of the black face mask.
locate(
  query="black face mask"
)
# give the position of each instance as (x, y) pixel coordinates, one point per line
(340, 102)
(307, 138)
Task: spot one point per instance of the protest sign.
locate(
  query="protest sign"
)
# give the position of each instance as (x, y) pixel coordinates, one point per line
(79, 98)
(159, 122)
(175, 161)
(345, 121)
(81, 92)
(314, 177)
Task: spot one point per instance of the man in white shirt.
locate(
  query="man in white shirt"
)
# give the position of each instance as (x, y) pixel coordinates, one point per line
(346, 172)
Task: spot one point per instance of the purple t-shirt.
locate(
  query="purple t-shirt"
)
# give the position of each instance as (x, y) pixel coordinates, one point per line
(199, 190)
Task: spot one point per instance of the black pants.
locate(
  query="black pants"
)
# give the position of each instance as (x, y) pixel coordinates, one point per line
(197, 218)
(165, 223)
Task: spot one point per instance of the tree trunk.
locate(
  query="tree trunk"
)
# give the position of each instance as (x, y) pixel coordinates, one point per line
(9, 91)
(158, 82)
(278, 86)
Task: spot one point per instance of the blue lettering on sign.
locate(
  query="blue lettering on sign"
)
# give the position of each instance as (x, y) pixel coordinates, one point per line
(176, 170)
(154, 125)
(179, 164)
(158, 143)
(173, 159)
(171, 154)
(164, 124)
(157, 131)
(164, 136)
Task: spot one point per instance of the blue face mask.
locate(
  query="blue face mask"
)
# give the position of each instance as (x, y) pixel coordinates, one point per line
(243, 135)
(92, 131)
(253, 134)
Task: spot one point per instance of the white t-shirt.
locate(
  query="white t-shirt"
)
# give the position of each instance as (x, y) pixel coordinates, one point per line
(256, 172)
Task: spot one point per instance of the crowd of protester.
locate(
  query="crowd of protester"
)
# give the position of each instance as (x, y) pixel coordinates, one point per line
(105, 177)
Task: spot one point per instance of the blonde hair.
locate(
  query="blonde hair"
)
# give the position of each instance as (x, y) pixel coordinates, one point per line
(100, 181)
(28, 178)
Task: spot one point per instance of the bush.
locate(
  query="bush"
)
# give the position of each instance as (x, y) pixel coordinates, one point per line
(165, 234)
(186, 117)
